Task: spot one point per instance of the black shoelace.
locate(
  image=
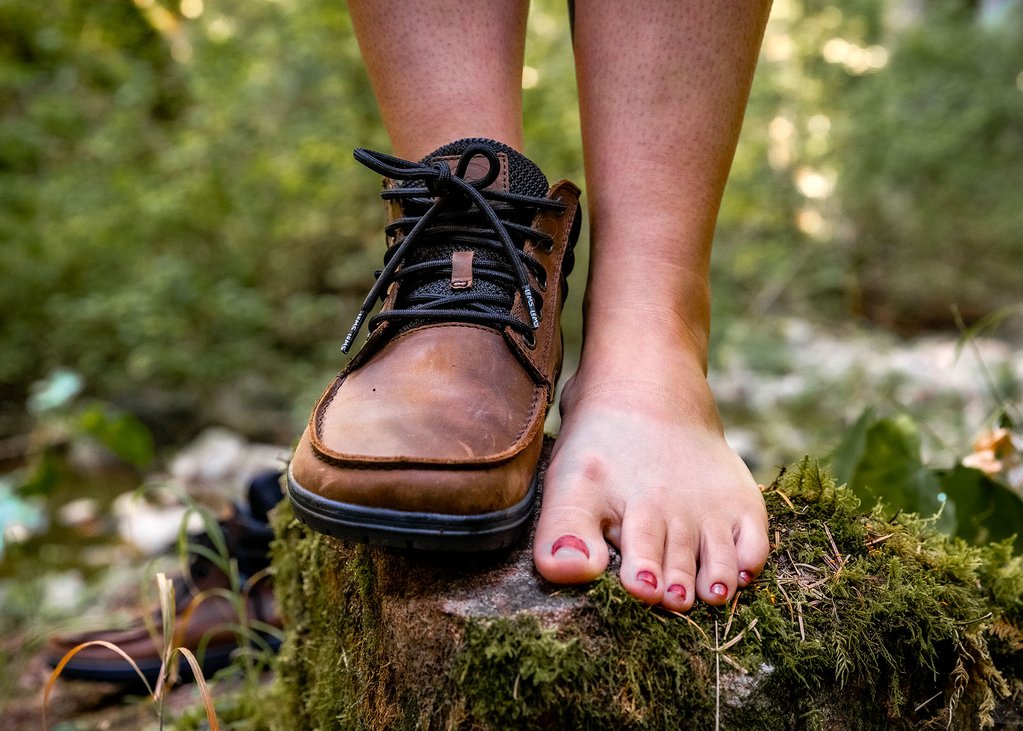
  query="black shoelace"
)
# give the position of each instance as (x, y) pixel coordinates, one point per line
(455, 211)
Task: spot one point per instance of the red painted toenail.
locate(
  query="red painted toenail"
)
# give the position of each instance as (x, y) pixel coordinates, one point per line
(745, 577)
(570, 542)
(678, 590)
(719, 589)
(647, 578)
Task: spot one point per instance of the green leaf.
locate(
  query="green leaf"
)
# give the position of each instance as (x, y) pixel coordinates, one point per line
(848, 454)
(41, 477)
(987, 510)
(121, 433)
(891, 469)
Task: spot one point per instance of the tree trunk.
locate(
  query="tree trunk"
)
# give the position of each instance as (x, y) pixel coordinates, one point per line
(858, 622)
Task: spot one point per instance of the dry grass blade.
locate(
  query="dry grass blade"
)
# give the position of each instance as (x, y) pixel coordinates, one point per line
(74, 651)
(181, 626)
(169, 671)
(735, 665)
(204, 689)
(788, 602)
(256, 578)
(731, 614)
(751, 627)
(785, 497)
(689, 619)
(831, 540)
(732, 641)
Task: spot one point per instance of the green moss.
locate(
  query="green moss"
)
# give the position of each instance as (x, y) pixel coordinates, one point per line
(532, 678)
(858, 621)
(331, 612)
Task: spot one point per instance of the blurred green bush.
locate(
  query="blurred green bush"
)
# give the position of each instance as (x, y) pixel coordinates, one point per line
(931, 155)
(182, 222)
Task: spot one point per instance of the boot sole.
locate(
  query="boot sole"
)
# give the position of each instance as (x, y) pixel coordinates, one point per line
(117, 670)
(410, 530)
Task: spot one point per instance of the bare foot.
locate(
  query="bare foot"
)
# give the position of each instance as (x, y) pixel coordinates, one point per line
(644, 465)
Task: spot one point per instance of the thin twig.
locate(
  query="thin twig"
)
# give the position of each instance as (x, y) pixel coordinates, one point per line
(974, 621)
(831, 540)
(788, 602)
(917, 709)
(717, 680)
(733, 663)
(687, 618)
(838, 554)
(734, 640)
(809, 566)
(793, 562)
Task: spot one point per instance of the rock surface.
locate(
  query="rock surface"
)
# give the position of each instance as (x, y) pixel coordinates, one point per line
(857, 623)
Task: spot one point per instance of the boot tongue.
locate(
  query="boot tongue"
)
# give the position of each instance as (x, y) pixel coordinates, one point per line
(522, 176)
(518, 175)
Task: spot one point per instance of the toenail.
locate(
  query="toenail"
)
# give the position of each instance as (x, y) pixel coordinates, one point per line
(719, 589)
(678, 590)
(745, 577)
(572, 544)
(647, 578)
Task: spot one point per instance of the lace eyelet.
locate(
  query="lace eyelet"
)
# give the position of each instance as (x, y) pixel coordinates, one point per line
(541, 282)
(529, 340)
(561, 199)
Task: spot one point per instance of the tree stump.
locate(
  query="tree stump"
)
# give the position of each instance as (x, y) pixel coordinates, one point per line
(858, 622)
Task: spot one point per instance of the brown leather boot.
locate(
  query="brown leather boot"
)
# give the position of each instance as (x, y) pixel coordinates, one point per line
(429, 439)
(210, 628)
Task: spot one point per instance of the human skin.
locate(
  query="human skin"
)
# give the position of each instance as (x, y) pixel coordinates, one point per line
(641, 461)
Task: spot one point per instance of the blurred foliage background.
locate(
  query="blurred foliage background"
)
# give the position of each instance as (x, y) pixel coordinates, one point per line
(183, 225)
(185, 237)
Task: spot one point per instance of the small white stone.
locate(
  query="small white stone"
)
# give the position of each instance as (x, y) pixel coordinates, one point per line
(77, 512)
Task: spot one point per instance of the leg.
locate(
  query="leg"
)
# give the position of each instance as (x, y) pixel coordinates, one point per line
(439, 417)
(444, 69)
(641, 459)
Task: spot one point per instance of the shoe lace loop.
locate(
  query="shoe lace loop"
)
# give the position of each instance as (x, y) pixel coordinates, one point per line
(457, 211)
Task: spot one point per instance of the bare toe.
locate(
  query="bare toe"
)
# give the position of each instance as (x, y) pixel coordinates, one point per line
(679, 569)
(719, 573)
(569, 547)
(642, 544)
(751, 549)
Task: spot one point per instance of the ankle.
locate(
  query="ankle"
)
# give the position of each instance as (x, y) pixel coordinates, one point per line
(670, 396)
(644, 341)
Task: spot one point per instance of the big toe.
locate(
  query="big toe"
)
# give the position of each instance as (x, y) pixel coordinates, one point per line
(569, 546)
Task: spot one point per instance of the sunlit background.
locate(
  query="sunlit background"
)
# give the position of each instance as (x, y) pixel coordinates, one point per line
(185, 238)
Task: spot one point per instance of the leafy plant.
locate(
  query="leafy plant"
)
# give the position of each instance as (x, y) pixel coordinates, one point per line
(881, 460)
(61, 418)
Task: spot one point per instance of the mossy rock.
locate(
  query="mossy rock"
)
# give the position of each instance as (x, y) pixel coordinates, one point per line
(858, 622)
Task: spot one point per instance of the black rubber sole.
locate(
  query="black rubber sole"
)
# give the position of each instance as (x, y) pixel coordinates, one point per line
(409, 530)
(117, 670)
